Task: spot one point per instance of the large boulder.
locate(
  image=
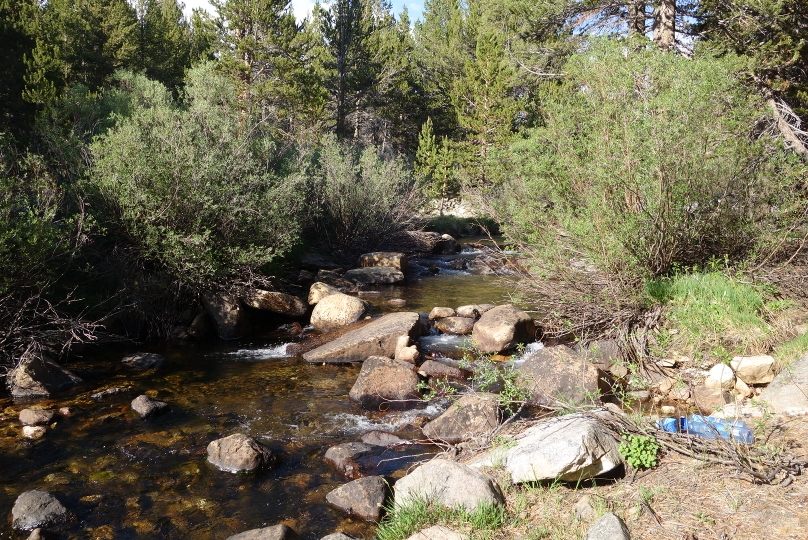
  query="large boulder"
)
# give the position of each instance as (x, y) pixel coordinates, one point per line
(147, 407)
(141, 361)
(320, 290)
(502, 328)
(35, 508)
(39, 377)
(557, 374)
(275, 302)
(377, 338)
(788, 392)
(344, 457)
(337, 310)
(568, 448)
(450, 484)
(276, 532)
(384, 380)
(375, 275)
(240, 453)
(608, 527)
(754, 369)
(363, 497)
(473, 415)
(228, 315)
(384, 258)
(456, 326)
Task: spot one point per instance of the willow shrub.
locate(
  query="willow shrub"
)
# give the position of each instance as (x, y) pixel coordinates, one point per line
(196, 185)
(644, 161)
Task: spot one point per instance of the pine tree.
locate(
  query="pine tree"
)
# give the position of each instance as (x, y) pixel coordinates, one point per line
(165, 42)
(16, 41)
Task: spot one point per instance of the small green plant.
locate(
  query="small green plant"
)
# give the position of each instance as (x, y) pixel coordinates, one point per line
(488, 376)
(640, 451)
(704, 518)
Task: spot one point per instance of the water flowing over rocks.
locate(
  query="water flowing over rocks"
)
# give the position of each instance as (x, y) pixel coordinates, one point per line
(143, 361)
(276, 532)
(320, 290)
(449, 483)
(608, 527)
(375, 275)
(34, 417)
(502, 328)
(363, 497)
(385, 259)
(385, 381)
(275, 302)
(557, 374)
(240, 453)
(377, 338)
(148, 407)
(569, 448)
(39, 377)
(36, 508)
(228, 315)
(471, 416)
(336, 310)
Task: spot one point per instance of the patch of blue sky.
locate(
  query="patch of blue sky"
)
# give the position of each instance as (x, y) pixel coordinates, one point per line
(302, 8)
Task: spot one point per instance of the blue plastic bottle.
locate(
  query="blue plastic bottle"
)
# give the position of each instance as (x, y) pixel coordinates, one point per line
(712, 428)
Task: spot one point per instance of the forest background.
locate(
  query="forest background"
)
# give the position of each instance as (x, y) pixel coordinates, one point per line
(147, 158)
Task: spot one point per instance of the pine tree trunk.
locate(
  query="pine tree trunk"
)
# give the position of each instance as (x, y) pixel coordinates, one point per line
(665, 24)
(636, 18)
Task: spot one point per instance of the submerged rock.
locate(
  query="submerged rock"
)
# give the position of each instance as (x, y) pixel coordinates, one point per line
(449, 483)
(240, 453)
(382, 438)
(336, 310)
(143, 361)
(502, 328)
(148, 407)
(363, 497)
(34, 432)
(110, 392)
(35, 508)
(473, 415)
(276, 532)
(39, 377)
(385, 381)
(377, 338)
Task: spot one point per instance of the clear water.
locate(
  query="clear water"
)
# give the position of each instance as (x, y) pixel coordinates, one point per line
(126, 478)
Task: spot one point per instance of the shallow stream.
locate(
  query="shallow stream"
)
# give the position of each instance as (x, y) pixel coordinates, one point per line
(125, 478)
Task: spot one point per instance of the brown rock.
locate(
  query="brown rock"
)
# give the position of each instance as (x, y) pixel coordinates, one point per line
(438, 370)
(709, 399)
(556, 374)
(502, 328)
(458, 326)
(239, 452)
(276, 532)
(228, 315)
(343, 457)
(363, 497)
(473, 415)
(336, 310)
(375, 275)
(441, 312)
(382, 438)
(34, 417)
(384, 258)
(320, 290)
(474, 311)
(38, 377)
(385, 381)
(275, 302)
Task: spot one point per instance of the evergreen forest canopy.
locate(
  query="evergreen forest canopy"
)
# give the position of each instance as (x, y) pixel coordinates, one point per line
(146, 157)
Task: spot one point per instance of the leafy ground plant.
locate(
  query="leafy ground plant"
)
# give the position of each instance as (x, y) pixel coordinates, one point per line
(640, 451)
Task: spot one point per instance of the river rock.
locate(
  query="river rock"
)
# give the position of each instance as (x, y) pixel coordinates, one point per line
(397, 302)
(363, 497)
(438, 370)
(385, 381)
(568, 448)
(410, 354)
(143, 361)
(336, 310)
(276, 532)
(35, 508)
(34, 432)
(382, 438)
(474, 311)
(457, 326)
(375, 275)
(437, 532)
(709, 399)
(38, 377)
(238, 452)
(343, 457)
(275, 302)
(449, 483)
(320, 290)
(608, 527)
(377, 338)
(384, 258)
(720, 376)
(557, 374)
(338, 536)
(201, 327)
(788, 392)
(502, 328)
(107, 392)
(228, 315)
(441, 312)
(35, 417)
(147, 407)
(471, 416)
(754, 369)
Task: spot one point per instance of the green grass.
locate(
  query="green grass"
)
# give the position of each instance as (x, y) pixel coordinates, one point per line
(714, 315)
(787, 352)
(403, 521)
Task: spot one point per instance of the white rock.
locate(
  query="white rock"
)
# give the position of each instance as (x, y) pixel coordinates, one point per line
(449, 483)
(742, 389)
(720, 376)
(754, 369)
(320, 290)
(33, 432)
(337, 310)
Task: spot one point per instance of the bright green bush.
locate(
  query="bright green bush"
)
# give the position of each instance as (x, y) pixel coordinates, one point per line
(358, 198)
(195, 184)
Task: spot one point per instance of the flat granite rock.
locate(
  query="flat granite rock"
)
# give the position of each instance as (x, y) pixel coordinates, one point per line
(377, 338)
(788, 392)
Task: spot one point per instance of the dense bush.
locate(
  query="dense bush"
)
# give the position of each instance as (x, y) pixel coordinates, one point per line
(196, 184)
(358, 198)
(645, 160)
